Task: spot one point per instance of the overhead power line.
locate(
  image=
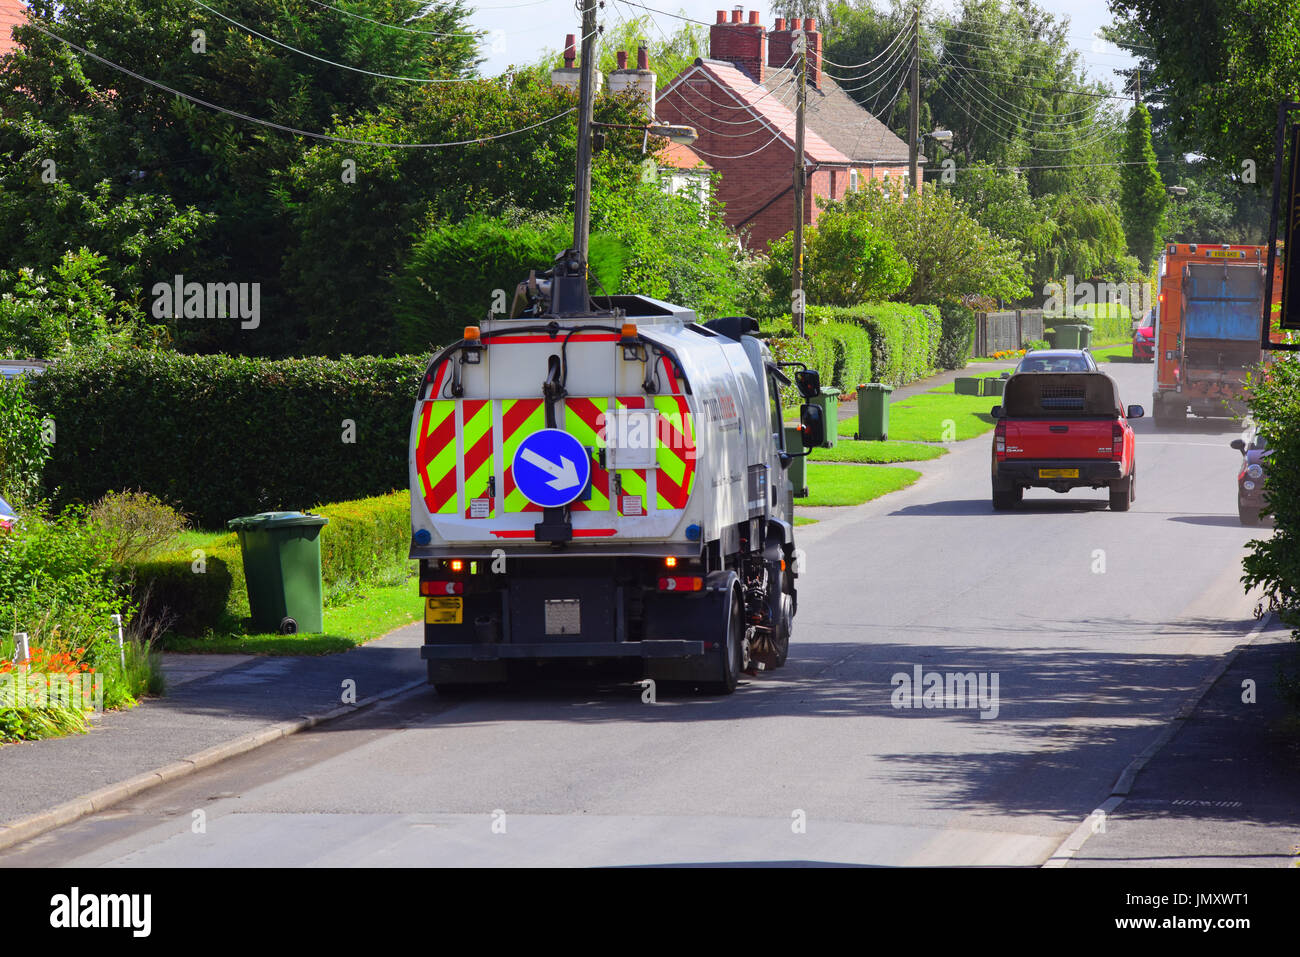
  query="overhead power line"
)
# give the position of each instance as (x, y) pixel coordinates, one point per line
(853, 66)
(393, 26)
(278, 126)
(321, 59)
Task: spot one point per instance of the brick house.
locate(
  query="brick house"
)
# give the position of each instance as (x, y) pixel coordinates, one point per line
(734, 99)
(12, 13)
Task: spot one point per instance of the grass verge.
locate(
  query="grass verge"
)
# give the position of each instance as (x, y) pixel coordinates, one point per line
(935, 417)
(375, 611)
(804, 520)
(853, 484)
(877, 452)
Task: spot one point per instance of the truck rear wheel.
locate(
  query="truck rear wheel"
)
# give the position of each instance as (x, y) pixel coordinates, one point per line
(1122, 493)
(1005, 498)
(731, 649)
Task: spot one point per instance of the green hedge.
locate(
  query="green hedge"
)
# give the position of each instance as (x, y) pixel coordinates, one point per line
(904, 339)
(1109, 321)
(958, 336)
(222, 436)
(364, 540)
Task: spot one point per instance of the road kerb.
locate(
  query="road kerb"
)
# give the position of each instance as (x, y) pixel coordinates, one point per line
(34, 825)
(1124, 783)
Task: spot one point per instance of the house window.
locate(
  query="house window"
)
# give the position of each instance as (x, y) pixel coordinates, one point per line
(834, 179)
(853, 181)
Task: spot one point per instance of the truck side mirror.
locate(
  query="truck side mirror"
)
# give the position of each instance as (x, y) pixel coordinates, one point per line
(1239, 445)
(1136, 412)
(996, 412)
(813, 422)
(809, 383)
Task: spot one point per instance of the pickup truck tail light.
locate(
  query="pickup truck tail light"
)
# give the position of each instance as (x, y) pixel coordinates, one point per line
(1116, 441)
(1000, 440)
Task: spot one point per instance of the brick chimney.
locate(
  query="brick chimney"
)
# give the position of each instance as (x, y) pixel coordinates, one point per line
(744, 44)
(642, 80)
(780, 46)
(569, 75)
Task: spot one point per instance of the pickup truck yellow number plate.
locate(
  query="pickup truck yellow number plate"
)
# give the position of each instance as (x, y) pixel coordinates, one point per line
(1051, 473)
(442, 611)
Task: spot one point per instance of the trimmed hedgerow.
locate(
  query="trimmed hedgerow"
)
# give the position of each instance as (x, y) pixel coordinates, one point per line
(223, 436)
(904, 339)
(201, 588)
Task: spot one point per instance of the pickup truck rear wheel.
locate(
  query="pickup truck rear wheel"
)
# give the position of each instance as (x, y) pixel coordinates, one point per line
(1006, 498)
(1121, 493)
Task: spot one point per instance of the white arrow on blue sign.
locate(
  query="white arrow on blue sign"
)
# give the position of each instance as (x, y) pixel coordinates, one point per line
(551, 468)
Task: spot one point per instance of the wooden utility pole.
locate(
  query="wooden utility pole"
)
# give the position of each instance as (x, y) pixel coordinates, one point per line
(586, 101)
(796, 274)
(914, 105)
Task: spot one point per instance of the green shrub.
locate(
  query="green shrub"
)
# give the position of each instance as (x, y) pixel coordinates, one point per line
(191, 591)
(790, 348)
(57, 584)
(904, 339)
(136, 524)
(23, 452)
(957, 337)
(222, 436)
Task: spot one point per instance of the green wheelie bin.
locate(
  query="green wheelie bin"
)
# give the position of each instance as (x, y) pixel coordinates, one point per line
(829, 401)
(873, 411)
(281, 552)
(798, 465)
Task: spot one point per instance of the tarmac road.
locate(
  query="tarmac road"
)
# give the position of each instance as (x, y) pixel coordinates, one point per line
(1097, 627)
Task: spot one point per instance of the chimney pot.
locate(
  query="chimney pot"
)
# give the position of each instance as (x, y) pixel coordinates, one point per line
(753, 17)
(722, 16)
(736, 14)
(569, 52)
(780, 24)
(810, 25)
(622, 59)
(642, 59)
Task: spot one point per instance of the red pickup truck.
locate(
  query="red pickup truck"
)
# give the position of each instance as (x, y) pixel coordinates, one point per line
(1062, 431)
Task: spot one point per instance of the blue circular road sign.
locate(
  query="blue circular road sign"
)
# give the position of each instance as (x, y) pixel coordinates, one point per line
(551, 468)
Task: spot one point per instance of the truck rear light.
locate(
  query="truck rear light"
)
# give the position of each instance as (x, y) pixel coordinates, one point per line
(682, 583)
(1116, 441)
(670, 562)
(442, 588)
(1000, 440)
(457, 565)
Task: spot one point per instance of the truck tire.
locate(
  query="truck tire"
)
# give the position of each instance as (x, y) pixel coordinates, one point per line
(1006, 498)
(1121, 493)
(1168, 415)
(784, 622)
(730, 652)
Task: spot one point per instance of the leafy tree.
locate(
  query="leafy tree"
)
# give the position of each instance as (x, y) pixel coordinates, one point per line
(23, 452)
(1274, 561)
(72, 307)
(339, 281)
(951, 255)
(172, 187)
(1143, 191)
(1001, 201)
(1218, 69)
(848, 260)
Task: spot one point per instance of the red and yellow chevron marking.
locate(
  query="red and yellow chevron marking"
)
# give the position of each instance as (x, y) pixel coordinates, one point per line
(520, 418)
(476, 437)
(632, 481)
(584, 419)
(676, 455)
(435, 456)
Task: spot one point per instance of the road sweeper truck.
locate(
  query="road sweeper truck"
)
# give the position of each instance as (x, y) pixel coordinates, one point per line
(605, 481)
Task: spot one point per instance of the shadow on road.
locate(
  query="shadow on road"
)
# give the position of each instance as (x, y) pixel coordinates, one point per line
(1225, 521)
(983, 506)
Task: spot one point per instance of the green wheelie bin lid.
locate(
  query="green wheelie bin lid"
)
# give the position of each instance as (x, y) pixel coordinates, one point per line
(265, 521)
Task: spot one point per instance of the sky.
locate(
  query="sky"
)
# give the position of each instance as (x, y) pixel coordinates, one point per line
(520, 32)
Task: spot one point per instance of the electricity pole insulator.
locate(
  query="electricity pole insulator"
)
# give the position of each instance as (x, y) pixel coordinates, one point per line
(796, 275)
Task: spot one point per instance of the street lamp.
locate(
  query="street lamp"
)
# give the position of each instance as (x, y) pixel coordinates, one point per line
(1176, 190)
(681, 135)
